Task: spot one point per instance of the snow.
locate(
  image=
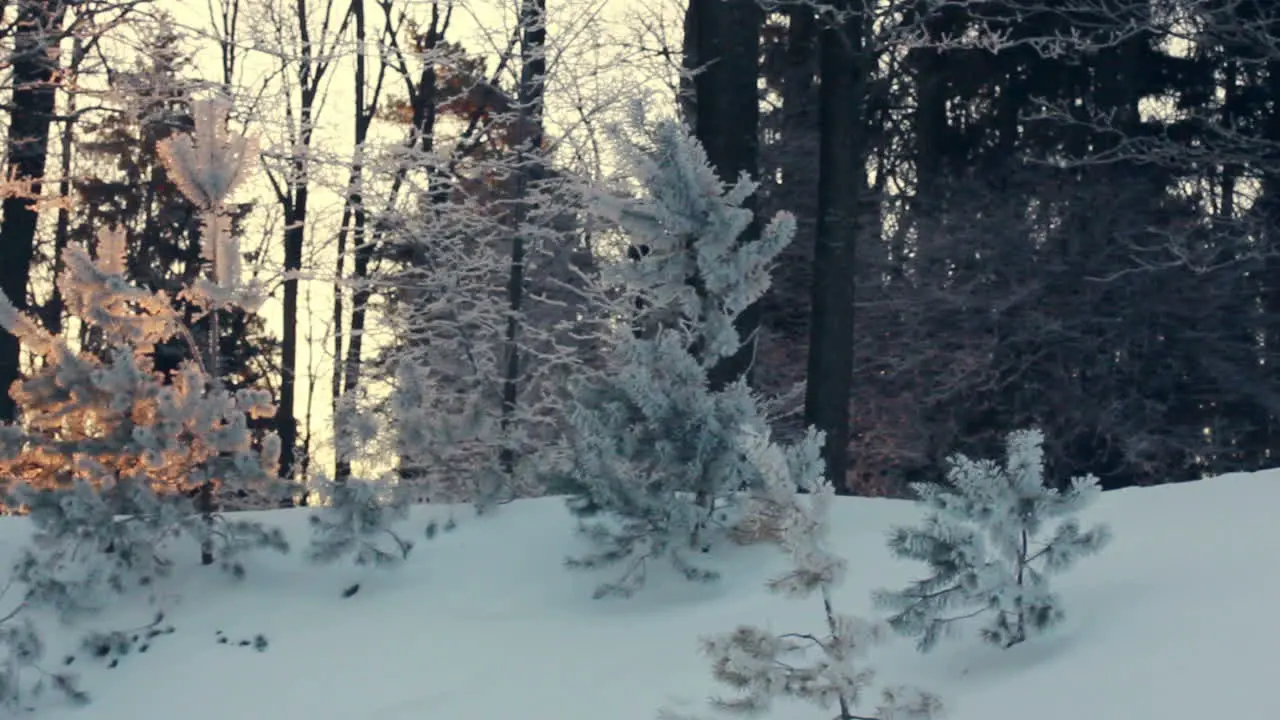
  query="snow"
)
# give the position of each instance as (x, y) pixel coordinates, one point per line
(1174, 621)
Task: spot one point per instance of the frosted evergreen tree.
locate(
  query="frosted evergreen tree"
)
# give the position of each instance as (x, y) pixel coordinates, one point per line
(653, 460)
(358, 517)
(207, 166)
(109, 453)
(825, 669)
(992, 544)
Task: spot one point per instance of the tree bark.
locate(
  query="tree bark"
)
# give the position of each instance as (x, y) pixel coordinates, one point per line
(726, 58)
(841, 188)
(346, 375)
(35, 65)
(62, 234)
(294, 195)
(530, 95)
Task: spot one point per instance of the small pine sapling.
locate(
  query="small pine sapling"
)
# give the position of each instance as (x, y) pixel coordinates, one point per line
(359, 520)
(109, 451)
(821, 669)
(990, 548)
(652, 462)
(358, 517)
(653, 457)
(206, 166)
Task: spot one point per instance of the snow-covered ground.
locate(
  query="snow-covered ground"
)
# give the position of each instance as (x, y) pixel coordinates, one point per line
(1176, 620)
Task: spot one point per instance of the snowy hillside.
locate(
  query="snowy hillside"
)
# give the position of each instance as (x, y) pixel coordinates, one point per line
(1175, 621)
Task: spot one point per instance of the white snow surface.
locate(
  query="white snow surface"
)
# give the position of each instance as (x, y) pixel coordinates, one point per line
(1176, 620)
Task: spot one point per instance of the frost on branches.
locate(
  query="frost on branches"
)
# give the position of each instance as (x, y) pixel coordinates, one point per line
(990, 546)
(825, 669)
(651, 451)
(359, 520)
(653, 460)
(207, 166)
(357, 517)
(109, 452)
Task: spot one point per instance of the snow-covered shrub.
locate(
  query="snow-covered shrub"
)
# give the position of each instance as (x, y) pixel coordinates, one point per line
(654, 469)
(24, 675)
(653, 460)
(356, 516)
(991, 548)
(111, 458)
(826, 668)
(446, 438)
(359, 519)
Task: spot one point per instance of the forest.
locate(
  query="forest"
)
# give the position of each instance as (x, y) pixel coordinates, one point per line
(698, 266)
(1008, 213)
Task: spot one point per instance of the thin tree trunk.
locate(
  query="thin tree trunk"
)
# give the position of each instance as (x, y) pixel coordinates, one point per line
(355, 213)
(423, 98)
(293, 196)
(1270, 210)
(533, 70)
(33, 67)
(53, 310)
(841, 188)
(287, 426)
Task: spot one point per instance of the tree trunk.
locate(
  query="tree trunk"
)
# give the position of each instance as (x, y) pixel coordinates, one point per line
(1270, 210)
(533, 71)
(841, 189)
(346, 375)
(62, 234)
(286, 424)
(726, 56)
(312, 64)
(424, 97)
(34, 66)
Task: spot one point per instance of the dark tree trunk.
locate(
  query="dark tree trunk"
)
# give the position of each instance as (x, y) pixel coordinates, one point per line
(725, 35)
(33, 68)
(1270, 210)
(533, 71)
(62, 234)
(293, 195)
(346, 375)
(786, 307)
(286, 423)
(841, 189)
(424, 98)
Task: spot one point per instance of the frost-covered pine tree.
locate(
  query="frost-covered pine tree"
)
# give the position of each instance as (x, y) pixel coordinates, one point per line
(358, 517)
(653, 458)
(109, 453)
(992, 545)
(826, 669)
(206, 166)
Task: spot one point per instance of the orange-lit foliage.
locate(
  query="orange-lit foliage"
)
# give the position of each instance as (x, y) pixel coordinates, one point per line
(110, 418)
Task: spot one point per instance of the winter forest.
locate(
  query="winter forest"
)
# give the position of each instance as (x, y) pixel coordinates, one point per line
(709, 285)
